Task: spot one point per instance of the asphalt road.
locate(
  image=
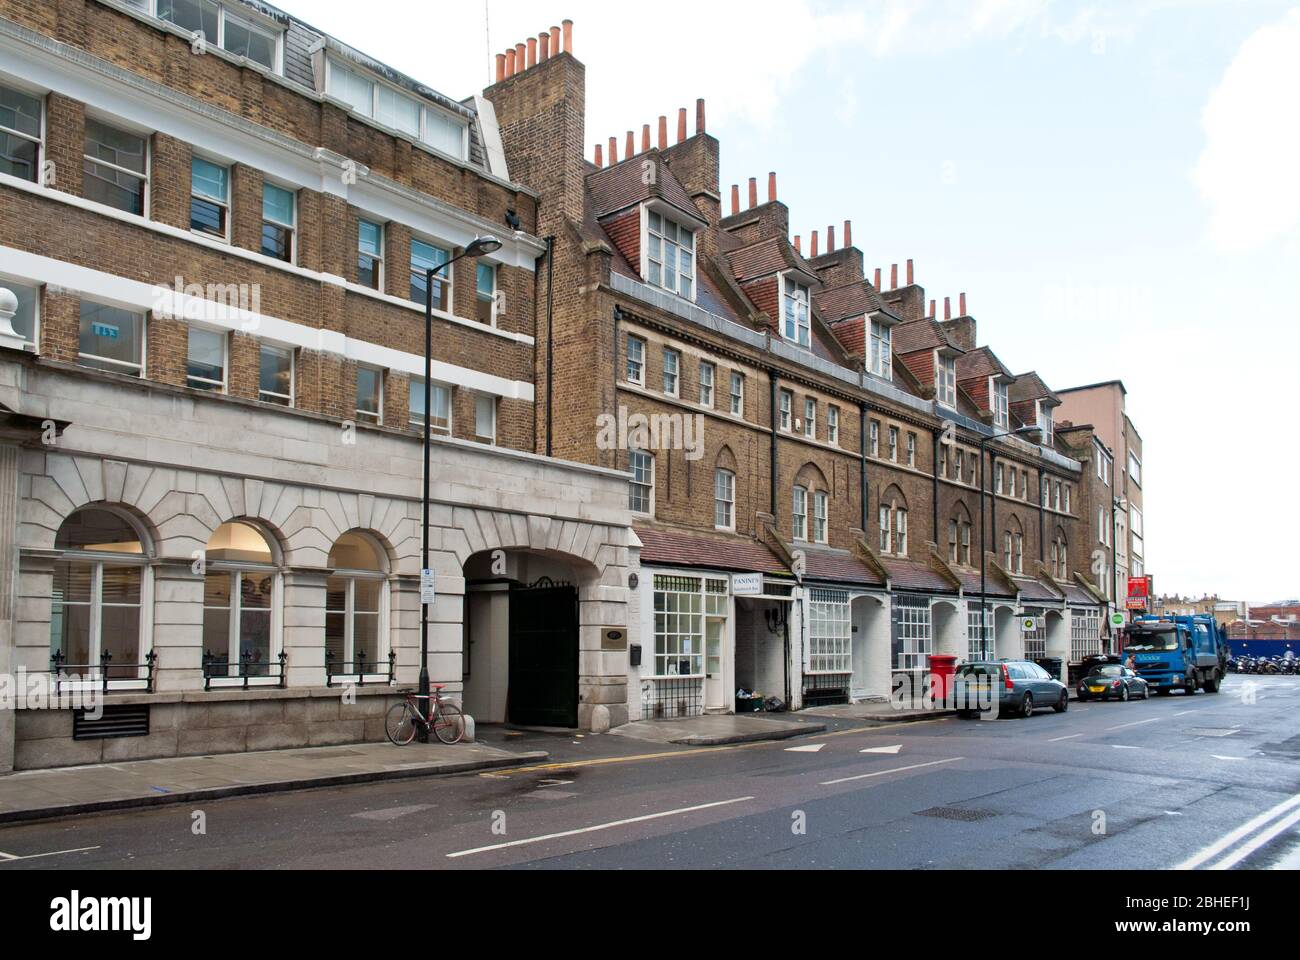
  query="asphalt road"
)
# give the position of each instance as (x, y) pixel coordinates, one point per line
(1173, 781)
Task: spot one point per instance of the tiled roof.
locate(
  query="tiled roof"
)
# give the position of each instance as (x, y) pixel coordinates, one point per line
(850, 300)
(764, 257)
(994, 585)
(623, 185)
(667, 548)
(839, 566)
(1030, 386)
(1078, 596)
(913, 575)
(980, 362)
(852, 334)
(1031, 590)
(917, 335)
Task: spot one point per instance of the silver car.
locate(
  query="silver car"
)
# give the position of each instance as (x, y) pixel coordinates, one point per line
(1019, 687)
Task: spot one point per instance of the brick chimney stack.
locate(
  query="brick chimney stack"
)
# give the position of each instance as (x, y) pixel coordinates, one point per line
(813, 250)
(613, 151)
(681, 125)
(848, 233)
(771, 187)
(700, 126)
(830, 239)
(753, 192)
(735, 199)
(877, 283)
(600, 156)
(911, 279)
(893, 277)
(963, 312)
(568, 35)
(532, 52)
(631, 146)
(798, 241)
(645, 138)
(544, 46)
(663, 133)
(947, 308)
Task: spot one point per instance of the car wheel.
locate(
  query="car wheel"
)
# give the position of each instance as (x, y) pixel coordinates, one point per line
(1064, 703)
(1123, 694)
(1027, 706)
(1146, 692)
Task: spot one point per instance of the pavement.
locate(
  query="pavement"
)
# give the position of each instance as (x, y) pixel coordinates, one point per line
(721, 729)
(879, 711)
(46, 794)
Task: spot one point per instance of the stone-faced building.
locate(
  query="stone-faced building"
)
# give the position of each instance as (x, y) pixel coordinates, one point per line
(215, 224)
(808, 447)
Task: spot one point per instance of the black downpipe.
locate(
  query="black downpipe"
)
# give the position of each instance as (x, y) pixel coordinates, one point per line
(771, 377)
(862, 450)
(935, 498)
(550, 338)
(993, 502)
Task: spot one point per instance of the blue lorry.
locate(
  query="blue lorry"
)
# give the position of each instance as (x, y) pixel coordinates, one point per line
(1178, 653)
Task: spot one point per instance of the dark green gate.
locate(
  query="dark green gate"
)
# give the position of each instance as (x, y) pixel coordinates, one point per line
(544, 655)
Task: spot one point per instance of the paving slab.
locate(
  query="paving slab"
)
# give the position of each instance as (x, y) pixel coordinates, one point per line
(47, 794)
(716, 730)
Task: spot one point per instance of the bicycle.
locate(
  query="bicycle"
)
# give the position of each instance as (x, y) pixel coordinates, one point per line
(405, 719)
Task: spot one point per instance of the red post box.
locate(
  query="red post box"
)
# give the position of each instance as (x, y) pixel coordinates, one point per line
(943, 667)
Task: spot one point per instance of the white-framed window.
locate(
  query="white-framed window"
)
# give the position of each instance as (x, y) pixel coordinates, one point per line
(206, 359)
(998, 478)
(356, 602)
(209, 198)
(799, 513)
(101, 598)
(1011, 482)
(681, 604)
(945, 380)
(900, 531)
(670, 255)
(1066, 502)
(426, 256)
(439, 407)
(635, 360)
(893, 444)
(787, 409)
(952, 541)
(485, 417)
(642, 496)
(1085, 634)
(911, 449)
(26, 321)
(915, 637)
(1047, 492)
(370, 254)
(1000, 392)
(237, 34)
(276, 375)
(943, 460)
(979, 642)
(485, 293)
(1029, 491)
(833, 424)
(882, 350)
(965, 543)
(370, 395)
(22, 133)
(1135, 530)
(796, 326)
(241, 600)
(112, 339)
(279, 222)
(1134, 468)
(1019, 557)
(724, 500)
(115, 167)
(959, 464)
(1060, 552)
(243, 38)
(398, 111)
(875, 438)
(1056, 496)
(672, 372)
(708, 373)
(821, 516)
(737, 394)
(886, 530)
(1103, 527)
(1008, 557)
(1036, 639)
(810, 418)
(830, 633)
(1045, 424)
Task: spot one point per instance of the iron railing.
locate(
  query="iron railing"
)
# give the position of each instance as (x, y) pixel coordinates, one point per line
(63, 672)
(246, 669)
(359, 668)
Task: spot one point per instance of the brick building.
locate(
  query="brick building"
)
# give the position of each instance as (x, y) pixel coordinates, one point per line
(805, 443)
(214, 229)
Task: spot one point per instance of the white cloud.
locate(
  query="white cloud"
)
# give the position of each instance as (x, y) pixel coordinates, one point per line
(1247, 172)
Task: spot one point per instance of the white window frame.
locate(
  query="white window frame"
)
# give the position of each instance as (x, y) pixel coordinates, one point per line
(688, 290)
(893, 444)
(635, 371)
(999, 476)
(376, 417)
(786, 400)
(223, 204)
(429, 114)
(291, 227)
(377, 259)
(916, 634)
(799, 514)
(1000, 392)
(945, 380)
(821, 517)
(35, 291)
(145, 178)
(672, 382)
(874, 434)
(119, 366)
(796, 312)
(445, 278)
(39, 161)
(491, 299)
(810, 418)
(886, 530)
(911, 449)
(485, 401)
(900, 531)
(210, 386)
(882, 350)
(293, 374)
(724, 500)
(383, 637)
(1134, 468)
(435, 390)
(637, 483)
(708, 377)
(1045, 422)
(833, 424)
(737, 394)
(830, 633)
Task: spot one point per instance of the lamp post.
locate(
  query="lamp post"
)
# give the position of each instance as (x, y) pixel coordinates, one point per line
(480, 247)
(984, 602)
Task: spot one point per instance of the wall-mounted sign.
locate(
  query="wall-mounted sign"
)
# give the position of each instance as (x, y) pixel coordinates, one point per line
(428, 588)
(105, 330)
(746, 584)
(1117, 620)
(614, 640)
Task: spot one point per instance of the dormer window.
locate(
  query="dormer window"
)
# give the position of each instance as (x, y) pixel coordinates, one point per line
(221, 26)
(670, 256)
(796, 326)
(945, 380)
(390, 107)
(999, 396)
(1044, 422)
(882, 350)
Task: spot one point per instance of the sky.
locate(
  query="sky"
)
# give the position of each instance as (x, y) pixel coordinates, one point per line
(1115, 185)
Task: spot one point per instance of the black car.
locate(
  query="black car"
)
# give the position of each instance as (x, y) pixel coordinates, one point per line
(1112, 681)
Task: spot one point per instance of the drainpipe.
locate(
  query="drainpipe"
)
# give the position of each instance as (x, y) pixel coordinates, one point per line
(771, 379)
(935, 498)
(550, 337)
(618, 319)
(862, 450)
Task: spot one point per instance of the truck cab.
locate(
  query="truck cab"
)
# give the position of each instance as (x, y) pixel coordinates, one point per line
(1178, 653)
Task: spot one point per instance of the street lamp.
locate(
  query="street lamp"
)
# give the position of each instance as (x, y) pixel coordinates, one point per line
(984, 601)
(478, 248)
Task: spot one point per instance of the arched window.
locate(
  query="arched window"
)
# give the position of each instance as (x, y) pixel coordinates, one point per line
(101, 597)
(241, 607)
(959, 537)
(893, 523)
(356, 598)
(1013, 548)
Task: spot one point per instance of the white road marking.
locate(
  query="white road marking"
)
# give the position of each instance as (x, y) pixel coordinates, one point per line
(1217, 757)
(1219, 846)
(1118, 747)
(881, 773)
(1139, 723)
(1260, 840)
(554, 783)
(891, 751)
(1184, 713)
(10, 857)
(599, 826)
(1073, 736)
(813, 748)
